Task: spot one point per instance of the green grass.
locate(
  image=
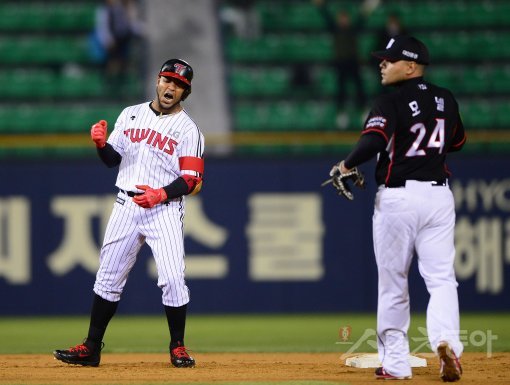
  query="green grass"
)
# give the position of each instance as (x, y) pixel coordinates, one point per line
(240, 333)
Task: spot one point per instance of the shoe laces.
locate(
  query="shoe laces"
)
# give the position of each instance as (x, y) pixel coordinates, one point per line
(81, 348)
(180, 352)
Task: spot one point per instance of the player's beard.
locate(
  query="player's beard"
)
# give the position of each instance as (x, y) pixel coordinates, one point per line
(168, 105)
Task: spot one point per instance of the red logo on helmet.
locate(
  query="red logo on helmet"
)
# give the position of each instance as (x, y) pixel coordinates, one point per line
(179, 68)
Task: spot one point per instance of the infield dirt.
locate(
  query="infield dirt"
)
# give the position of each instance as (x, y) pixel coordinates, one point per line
(232, 367)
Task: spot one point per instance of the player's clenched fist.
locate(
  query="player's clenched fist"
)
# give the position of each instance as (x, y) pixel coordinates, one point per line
(150, 198)
(98, 133)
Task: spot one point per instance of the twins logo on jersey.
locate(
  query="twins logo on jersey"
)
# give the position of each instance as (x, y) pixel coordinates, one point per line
(151, 138)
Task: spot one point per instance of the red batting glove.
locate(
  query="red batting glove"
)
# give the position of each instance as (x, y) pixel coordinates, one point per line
(150, 198)
(98, 133)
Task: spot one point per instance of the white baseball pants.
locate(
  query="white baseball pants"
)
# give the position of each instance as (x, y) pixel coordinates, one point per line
(419, 217)
(129, 227)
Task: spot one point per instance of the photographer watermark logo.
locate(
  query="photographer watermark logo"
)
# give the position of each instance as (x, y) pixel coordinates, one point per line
(344, 333)
(368, 340)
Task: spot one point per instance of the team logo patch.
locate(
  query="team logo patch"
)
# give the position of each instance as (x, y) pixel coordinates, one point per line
(376, 121)
(410, 54)
(120, 201)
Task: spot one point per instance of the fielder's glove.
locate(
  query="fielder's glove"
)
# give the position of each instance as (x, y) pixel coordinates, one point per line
(340, 180)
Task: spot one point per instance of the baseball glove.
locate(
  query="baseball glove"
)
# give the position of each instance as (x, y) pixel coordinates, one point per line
(340, 180)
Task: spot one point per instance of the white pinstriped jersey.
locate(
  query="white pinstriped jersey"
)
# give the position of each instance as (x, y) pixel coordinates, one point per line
(151, 144)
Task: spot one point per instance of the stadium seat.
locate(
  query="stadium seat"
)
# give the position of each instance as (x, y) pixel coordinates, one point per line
(275, 15)
(500, 79)
(477, 114)
(501, 111)
(43, 50)
(49, 118)
(260, 81)
(250, 117)
(38, 16)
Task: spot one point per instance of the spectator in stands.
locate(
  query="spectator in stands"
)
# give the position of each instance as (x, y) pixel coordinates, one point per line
(117, 24)
(345, 31)
(392, 27)
(241, 17)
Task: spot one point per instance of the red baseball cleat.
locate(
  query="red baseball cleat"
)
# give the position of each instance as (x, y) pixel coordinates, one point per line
(180, 358)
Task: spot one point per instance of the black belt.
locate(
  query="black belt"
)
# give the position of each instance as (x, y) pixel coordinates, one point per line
(130, 193)
(442, 182)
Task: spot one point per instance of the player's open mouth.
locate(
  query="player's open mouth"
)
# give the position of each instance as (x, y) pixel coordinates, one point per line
(168, 96)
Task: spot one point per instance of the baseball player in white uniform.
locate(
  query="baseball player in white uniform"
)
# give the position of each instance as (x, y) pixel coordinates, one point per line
(159, 151)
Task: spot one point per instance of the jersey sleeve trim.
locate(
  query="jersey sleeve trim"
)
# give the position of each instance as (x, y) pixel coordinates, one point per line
(191, 163)
(377, 131)
(461, 143)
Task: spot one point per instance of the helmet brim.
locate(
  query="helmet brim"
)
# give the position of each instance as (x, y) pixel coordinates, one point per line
(175, 76)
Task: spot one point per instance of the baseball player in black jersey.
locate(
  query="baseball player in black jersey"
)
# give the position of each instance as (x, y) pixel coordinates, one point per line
(411, 130)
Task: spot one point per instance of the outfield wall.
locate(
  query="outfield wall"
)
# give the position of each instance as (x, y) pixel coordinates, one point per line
(261, 237)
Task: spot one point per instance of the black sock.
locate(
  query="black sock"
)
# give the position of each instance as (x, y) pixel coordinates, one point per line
(176, 318)
(100, 315)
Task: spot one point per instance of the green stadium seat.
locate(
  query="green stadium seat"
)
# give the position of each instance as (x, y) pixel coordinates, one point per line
(501, 111)
(468, 46)
(487, 114)
(371, 80)
(325, 80)
(281, 16)
(43, 50)
(280, 48)
(477, 114)
(278, 116)
(53, 119)
(298, 15)
(260, 81)
(474, 80)
(487, 13)
(40, 16)
(416, 14)
(438, 14)
(19, 84)
(500, 79)
(278, 81)
(251, 117)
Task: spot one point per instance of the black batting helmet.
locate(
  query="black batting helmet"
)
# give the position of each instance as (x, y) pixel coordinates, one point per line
(180, 70)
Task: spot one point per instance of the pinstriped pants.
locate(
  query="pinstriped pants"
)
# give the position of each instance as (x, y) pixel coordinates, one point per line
(129, 227)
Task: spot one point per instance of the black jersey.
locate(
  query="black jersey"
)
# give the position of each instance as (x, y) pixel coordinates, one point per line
(420, 123)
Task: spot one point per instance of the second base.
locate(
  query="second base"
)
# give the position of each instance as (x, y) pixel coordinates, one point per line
(371, 360)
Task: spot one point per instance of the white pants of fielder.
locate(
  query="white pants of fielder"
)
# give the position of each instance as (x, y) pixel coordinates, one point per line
(129, 227)
(417, 218)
